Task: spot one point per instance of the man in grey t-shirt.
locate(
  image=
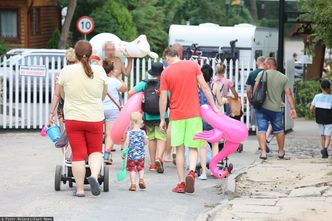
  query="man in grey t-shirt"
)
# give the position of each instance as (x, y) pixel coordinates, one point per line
(277, 83)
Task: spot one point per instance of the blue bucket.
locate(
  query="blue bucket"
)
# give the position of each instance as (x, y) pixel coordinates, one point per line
(54, 133)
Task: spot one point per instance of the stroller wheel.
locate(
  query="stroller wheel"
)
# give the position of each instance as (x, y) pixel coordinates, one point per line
(70, 183)
(57, 177)
(106, 178)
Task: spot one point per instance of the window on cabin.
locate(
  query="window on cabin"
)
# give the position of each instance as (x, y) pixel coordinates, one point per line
(8, 24)
(35, 21)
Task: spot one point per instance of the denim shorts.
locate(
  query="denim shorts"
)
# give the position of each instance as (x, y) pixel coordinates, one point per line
(264, 116)
(207, 126)
(111, 114)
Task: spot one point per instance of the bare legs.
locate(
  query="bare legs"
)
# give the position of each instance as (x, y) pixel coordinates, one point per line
(262, 143)
(156, 149)
(281, 143)
(108, 140)
(79, 175)
(325, 141)
(180, 162)
(95, 162)
(168, 148)
(133, 176)
(202, 158)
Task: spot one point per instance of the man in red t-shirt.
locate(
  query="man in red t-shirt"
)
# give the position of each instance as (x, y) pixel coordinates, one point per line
(181, 78)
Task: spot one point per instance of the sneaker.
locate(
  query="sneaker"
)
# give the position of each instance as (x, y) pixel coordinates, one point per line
(160, 165)
(153, 167)
(190, 182)
(180, 188)
(324, 153)
(203, 176)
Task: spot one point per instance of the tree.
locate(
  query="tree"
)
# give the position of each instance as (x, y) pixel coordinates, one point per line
(66, 25)
(149, 19)
(252, 6)
(319, 12)
(115, 18)
(84, 7)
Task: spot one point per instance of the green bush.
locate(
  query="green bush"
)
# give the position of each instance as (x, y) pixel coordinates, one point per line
(54, 40)
(304, 93)
(3, 47)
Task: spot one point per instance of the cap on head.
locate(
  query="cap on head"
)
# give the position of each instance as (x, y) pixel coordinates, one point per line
(156, 69)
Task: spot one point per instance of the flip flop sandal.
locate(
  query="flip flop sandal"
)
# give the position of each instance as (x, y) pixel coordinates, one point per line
(281, 156)
(78, 194)
(263, 158)
(94, 186)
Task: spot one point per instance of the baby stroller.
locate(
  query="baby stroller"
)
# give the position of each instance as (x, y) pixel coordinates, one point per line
(64, 174)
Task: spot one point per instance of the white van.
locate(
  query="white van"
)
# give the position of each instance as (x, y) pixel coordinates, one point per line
(250, 41)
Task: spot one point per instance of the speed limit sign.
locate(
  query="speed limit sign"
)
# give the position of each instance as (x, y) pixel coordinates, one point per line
(85, 25)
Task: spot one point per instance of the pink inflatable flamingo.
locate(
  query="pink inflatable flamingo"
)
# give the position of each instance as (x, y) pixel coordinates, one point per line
(122, 122)
(233, 131)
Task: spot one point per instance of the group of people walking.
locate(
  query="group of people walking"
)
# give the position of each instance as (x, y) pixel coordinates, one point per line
(92, 99)
(92, 102)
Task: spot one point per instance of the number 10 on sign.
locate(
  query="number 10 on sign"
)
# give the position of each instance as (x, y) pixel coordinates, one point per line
(85, 25)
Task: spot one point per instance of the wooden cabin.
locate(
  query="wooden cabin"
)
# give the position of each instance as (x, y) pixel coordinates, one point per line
(28, 23)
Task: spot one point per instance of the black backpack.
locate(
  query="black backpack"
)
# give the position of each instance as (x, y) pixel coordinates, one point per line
(150, 103)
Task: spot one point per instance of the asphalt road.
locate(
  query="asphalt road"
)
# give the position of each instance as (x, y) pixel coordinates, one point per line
(27, 164)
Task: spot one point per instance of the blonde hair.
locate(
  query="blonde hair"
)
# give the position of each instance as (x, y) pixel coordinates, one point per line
(220, 68)
(135, 117)
(70, 55)
(271, 61)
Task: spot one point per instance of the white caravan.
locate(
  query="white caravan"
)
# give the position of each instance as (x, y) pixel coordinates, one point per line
(250, 41)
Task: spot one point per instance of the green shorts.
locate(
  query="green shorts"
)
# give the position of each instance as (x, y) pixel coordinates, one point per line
(153, 131)
(183, 131)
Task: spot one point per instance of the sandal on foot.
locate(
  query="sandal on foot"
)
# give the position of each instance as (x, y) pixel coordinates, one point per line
(141, 184)
(281, 156)
(263, 158)
(94, 186)
(78, 194)
(132, 187)
(109, 161)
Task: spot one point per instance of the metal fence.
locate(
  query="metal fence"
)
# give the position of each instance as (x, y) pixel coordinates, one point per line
(25, 97)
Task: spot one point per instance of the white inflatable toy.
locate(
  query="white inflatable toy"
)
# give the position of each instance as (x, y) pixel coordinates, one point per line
(138, 48)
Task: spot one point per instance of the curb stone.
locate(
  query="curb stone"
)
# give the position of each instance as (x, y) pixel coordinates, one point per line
(207, 215)
(229, 190)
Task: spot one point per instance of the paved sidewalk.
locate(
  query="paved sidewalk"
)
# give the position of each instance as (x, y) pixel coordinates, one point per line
(297, 188)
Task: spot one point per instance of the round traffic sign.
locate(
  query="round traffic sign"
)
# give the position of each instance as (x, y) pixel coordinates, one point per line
(85, 25)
